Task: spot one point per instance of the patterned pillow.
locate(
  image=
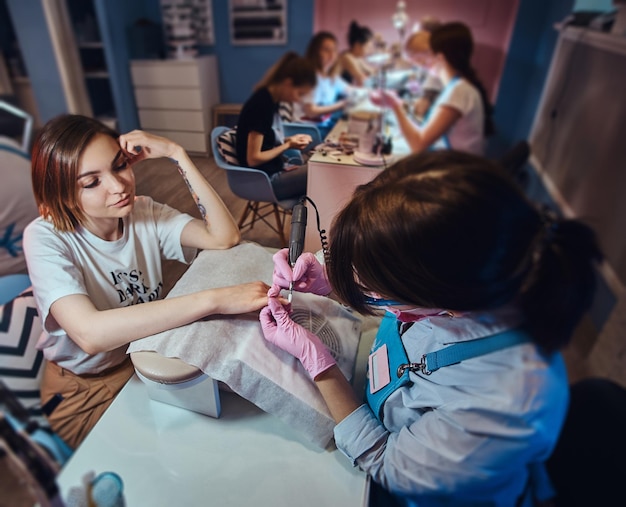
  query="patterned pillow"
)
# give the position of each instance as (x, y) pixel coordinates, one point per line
(21, 364)
(226, 145)
(285, 110)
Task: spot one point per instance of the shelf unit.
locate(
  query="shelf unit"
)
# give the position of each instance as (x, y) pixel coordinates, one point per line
(258, 23)
(93, 60)
(175, 99)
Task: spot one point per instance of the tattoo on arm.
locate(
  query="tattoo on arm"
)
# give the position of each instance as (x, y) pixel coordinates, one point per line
(195, 197)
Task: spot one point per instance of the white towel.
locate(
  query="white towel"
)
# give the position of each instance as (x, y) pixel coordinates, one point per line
(232, 349)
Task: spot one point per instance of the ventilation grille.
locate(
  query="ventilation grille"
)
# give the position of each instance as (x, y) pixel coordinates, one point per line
(319, 326)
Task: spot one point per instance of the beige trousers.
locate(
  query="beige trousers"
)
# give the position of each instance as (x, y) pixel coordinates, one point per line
(85, 398)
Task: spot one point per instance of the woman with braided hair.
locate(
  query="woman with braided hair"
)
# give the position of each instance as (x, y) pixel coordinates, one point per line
(467, 390)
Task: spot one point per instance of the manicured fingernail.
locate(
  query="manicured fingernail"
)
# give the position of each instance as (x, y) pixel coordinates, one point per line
(137, 149)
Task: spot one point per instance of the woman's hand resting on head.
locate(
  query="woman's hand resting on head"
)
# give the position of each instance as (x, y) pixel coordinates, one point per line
(140, 145)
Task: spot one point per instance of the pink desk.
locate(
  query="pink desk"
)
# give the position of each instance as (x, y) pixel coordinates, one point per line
(332, 180)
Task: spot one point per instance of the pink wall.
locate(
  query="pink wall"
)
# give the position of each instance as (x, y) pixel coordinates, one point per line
(491, 22)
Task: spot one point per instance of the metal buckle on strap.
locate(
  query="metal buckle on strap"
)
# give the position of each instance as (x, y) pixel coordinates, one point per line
(414, 367)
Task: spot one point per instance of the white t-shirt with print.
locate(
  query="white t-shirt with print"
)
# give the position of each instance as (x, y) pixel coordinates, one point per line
(114, 274)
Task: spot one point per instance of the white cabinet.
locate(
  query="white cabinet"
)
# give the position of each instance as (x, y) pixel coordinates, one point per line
(175, 99)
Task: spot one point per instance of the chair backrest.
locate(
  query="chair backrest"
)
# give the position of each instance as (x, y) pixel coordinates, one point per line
(12, 285)
(27, 130)
(245, 182)
(302, 127)
(17, 205)
(285, 111)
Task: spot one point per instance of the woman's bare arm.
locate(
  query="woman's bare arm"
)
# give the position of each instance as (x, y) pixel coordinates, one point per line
(217, 229)
(96, 330)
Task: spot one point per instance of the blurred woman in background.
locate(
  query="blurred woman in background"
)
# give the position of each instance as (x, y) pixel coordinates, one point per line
(261, 142)
(461, 117)
(330, 96)
(355, 69)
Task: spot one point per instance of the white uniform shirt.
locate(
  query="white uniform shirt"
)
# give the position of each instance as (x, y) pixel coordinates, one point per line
(467, 133)
(113, 274)
(466, 434)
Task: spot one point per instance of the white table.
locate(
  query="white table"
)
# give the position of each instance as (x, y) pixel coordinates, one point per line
(168, 456)
(331, 180)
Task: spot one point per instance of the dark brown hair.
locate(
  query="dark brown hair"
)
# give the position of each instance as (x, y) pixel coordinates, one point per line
(55, 158)
(455, 42)
(451, 230)
(292, 66)
(315, 44)
(358, 34)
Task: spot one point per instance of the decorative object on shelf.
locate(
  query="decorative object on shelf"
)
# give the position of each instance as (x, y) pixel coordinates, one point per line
(203, 21)
(188, 23)
(180, 35)
(258, 22)
(400, 18)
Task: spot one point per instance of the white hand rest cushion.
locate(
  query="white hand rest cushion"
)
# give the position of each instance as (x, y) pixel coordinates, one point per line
(232, 349)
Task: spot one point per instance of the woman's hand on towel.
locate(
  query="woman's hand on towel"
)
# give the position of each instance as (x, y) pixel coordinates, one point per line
(237, 299)
(279, 329)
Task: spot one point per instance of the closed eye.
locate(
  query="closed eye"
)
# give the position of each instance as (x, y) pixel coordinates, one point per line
(120, 162)
(92, 183)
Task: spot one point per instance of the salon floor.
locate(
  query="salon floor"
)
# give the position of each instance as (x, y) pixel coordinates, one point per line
(161, 181)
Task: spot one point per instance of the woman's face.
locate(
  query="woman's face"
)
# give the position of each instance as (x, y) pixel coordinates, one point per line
(328, 54)
(106, 184)
(364, 49)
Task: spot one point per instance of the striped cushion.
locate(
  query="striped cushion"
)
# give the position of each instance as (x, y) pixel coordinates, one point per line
(21, 364)
(226, 145)
(285, 111)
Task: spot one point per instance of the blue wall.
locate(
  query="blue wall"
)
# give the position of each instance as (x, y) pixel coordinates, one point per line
(528, 60)
(34, 39)
(240, 67)
(115, 21)
(526, 70)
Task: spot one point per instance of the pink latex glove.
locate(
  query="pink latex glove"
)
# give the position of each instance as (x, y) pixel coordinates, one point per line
(279, 329)
(386, 98)
(308, 275)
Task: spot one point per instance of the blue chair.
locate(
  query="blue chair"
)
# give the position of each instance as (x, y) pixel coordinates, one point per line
(11, 286)
(253, 185)
(291, 127)
(27, 130)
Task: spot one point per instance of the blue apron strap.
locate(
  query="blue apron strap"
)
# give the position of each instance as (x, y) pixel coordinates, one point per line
(389, 335)
(456, 353)
(399, 365)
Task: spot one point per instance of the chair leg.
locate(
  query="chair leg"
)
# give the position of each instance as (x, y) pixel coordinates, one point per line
(255, 211)
(280, 225)
(255, 214)
(244, 215)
